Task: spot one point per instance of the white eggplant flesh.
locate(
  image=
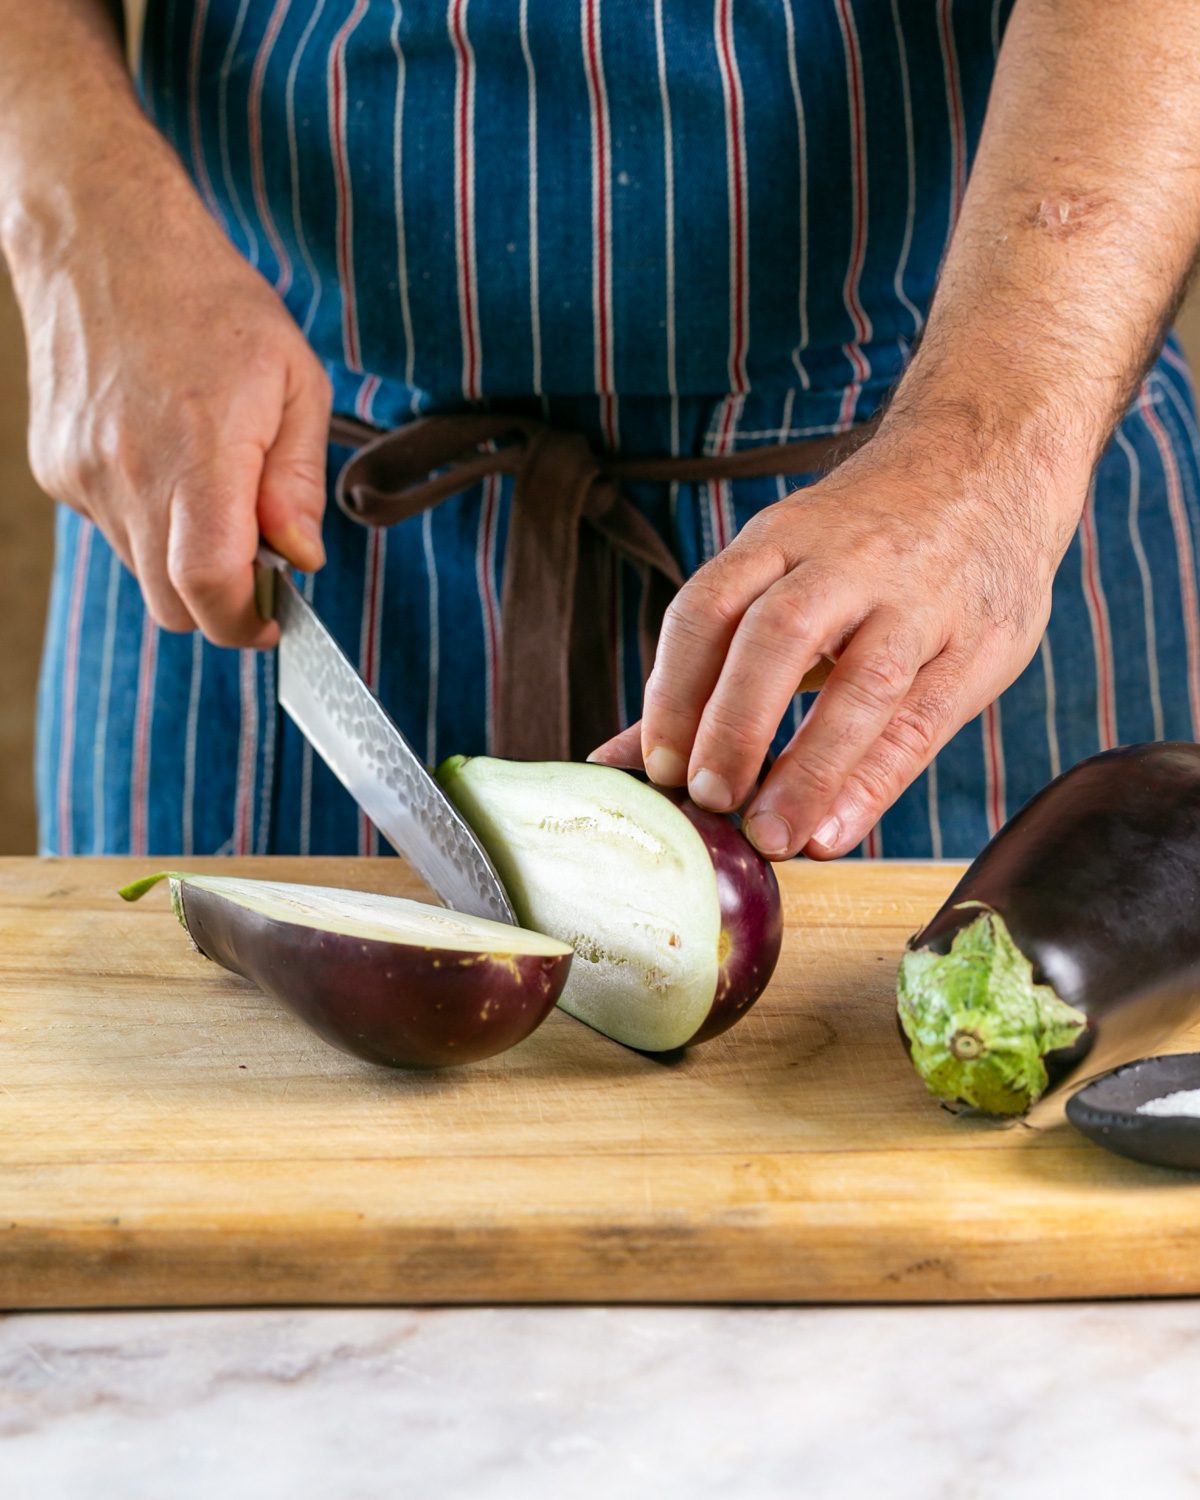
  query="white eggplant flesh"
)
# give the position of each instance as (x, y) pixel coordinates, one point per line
(672, 915)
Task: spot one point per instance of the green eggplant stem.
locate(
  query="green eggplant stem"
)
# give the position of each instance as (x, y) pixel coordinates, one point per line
(136, 889)
(977, 1024)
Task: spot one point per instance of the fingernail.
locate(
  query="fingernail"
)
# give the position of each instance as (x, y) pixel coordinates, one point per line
(828, 834)
(768, 833)
(710, 790)
(666, 767)
(306, 539)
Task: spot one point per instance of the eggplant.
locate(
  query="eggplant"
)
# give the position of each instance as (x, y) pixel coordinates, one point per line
(391, 981)
(1073, 941)
(751, 936)
(675, 919)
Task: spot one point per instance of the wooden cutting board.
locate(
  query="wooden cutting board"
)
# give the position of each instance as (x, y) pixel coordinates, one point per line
(170, 1136)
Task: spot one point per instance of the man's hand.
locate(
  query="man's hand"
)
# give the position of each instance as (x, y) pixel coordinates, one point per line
(925, 563)
(173, 400)
(929, 583)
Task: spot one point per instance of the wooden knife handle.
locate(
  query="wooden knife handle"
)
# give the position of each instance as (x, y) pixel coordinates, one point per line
(266, 565)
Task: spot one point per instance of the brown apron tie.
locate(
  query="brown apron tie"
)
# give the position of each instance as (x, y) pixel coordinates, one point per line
(570, 523)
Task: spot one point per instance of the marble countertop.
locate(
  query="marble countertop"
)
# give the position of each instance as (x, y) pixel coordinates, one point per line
(932, 1403)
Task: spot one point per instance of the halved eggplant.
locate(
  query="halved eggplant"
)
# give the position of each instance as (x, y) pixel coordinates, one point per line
(674, 917)
(391, 981)
(1073, 941)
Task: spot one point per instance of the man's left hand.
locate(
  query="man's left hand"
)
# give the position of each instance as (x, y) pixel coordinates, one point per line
(921, 566)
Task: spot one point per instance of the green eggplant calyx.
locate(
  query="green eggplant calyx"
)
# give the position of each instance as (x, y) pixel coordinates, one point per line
(977, 1024)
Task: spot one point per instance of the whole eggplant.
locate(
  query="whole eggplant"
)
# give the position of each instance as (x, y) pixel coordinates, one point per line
(1073, 941)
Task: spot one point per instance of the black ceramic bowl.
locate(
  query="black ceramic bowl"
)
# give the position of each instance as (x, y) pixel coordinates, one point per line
(1106, 1111)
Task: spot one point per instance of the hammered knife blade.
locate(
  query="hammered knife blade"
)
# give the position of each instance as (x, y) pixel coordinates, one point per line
(354, 735)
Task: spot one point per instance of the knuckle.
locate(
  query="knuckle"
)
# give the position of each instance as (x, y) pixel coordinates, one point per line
(130, 459)
(881, 776)
(784, 615)
(263, 356)
(877, 678)
(167, 614)
(45, 472)
(64, 472)
(816, 776)
(916, 728)
(698, 606)
(318, 376)
(221, 633)
(761, 532)
(912, 734)
(298, 471)
(195, 425)
(664, 700)
(755, 529)
(903, 750)
(871, 788)
(734, 732)
(195, 577)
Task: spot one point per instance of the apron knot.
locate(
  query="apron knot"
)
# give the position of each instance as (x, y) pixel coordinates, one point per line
(570, 528)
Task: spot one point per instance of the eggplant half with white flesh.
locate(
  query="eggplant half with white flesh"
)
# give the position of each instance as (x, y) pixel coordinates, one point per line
(674, 918)
(391, 981)
(1073, 941)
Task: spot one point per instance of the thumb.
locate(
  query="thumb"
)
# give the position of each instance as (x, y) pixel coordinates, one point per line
(624, 750)
(291, 492)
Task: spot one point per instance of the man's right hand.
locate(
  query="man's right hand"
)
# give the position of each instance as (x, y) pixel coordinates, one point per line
(173, 400)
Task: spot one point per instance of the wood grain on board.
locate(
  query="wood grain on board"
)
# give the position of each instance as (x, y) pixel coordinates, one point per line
(168, 1135)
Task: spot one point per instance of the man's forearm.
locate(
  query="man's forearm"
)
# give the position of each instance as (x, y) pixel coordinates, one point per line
(1077, 232)
(70, 121)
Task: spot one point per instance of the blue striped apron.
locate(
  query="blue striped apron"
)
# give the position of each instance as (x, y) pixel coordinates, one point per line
(679, 229)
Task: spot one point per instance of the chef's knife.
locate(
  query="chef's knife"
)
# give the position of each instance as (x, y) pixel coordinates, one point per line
(350, 729)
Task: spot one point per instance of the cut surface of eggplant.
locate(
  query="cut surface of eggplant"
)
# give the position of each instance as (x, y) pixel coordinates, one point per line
(392, 981)
(675, 921)
(1071, 943)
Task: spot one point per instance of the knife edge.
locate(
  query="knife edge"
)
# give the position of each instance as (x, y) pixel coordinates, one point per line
(355, 736)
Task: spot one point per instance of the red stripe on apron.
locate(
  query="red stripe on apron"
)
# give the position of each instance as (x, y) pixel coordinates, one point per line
(345, 200)
(139, 809)
(464, 155)
(1183, 552)
(850, 291)
(993, 758)
(736, 166)
(1097, 608)
(257, 171)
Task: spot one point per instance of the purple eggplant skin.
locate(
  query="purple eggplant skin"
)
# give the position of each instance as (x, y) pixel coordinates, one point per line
(751, 917)
(388, 1003)
(1097, 880)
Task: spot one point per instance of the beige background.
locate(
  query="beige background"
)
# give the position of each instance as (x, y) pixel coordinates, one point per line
(26, 527)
